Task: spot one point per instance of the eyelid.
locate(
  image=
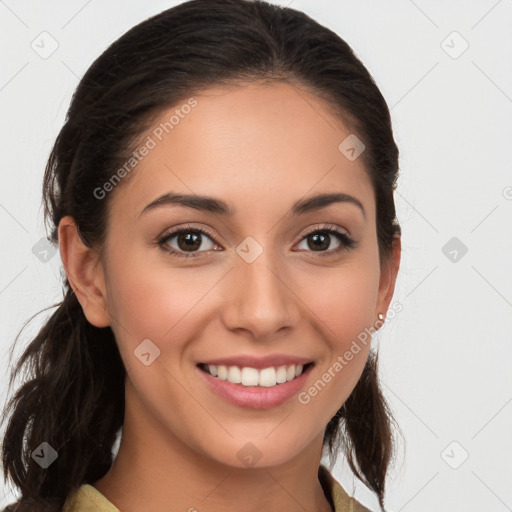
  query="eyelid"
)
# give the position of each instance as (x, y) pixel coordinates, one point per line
(316, 227)
(326, 227)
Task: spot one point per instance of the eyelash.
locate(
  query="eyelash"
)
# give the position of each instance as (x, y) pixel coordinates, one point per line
(347, 242)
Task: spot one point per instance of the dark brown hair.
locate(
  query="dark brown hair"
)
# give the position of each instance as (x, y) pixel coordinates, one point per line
(73, 393)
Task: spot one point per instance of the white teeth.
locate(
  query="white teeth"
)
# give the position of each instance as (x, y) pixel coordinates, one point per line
(281, 375)
(266, 377)
(222, 372)
(249, 377)
(234, 375)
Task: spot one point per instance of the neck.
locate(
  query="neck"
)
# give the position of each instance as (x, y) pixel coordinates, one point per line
(154, 471)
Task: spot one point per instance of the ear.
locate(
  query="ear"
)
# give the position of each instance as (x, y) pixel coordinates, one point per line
(388, 278)
(84, 271)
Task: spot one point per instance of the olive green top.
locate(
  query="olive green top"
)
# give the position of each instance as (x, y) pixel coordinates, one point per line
(88, 499)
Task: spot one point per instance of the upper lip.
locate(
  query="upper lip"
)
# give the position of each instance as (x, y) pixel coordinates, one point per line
(258, 362)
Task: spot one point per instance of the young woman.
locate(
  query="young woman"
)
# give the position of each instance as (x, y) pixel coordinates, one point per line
(222, 198)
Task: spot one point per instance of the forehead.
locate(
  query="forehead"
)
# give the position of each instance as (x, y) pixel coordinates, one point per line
(262, 146)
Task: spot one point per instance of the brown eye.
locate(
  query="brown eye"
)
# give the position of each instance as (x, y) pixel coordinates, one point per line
(188, 241)
(321, 239)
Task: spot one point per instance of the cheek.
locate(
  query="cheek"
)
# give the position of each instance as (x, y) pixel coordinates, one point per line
(155, 301)
(344, 311)
(342, 305)
(343, 302)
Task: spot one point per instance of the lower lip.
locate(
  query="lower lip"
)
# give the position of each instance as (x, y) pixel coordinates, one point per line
(255, 397)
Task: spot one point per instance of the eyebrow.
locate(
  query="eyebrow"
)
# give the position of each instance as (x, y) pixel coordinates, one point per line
(217, 206)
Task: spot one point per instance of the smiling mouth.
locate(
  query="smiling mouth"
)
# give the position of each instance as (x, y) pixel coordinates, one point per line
(264, 377)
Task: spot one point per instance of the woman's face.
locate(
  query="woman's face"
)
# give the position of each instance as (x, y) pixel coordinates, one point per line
(267, 281)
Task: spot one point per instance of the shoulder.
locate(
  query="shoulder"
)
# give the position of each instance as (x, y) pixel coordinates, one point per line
(88, 499)
(85, 498)
(341, 500)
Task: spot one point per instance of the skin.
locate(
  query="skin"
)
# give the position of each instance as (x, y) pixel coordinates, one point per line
(259, 148)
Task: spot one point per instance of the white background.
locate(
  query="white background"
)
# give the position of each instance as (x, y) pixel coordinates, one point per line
(446, 358)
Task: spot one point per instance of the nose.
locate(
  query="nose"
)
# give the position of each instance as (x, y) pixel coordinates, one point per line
(261, 299)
